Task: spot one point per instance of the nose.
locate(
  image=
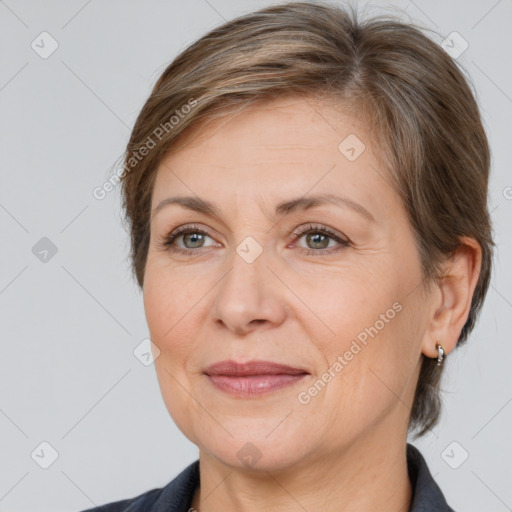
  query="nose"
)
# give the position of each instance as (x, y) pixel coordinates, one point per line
(249, 296)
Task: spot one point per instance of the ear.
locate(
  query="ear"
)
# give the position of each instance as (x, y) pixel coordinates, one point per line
(452, 296)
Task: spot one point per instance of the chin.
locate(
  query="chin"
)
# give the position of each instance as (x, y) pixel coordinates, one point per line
(261, 447)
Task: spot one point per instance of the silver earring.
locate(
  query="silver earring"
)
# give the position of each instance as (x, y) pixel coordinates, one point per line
(440, 354)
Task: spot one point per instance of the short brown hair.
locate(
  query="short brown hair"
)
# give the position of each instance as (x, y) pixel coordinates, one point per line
(419, 102)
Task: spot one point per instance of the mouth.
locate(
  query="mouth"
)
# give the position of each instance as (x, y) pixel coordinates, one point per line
(254, 378)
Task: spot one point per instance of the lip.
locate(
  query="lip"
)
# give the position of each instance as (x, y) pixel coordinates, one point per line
(232, 368)
(253, 378)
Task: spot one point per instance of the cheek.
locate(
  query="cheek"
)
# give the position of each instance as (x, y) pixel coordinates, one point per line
(169, 301)
(351, 300)
(372, 338)
(372, 377)
(169, 307)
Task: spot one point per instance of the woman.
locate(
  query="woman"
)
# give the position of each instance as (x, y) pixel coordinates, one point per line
(307, 200)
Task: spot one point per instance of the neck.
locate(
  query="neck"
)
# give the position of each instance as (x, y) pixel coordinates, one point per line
(368, 474)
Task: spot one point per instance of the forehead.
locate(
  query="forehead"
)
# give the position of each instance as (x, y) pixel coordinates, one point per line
(272, 148)
(310, 123)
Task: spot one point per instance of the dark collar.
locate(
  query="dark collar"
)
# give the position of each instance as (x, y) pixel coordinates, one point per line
(177, 495)
(427, 496)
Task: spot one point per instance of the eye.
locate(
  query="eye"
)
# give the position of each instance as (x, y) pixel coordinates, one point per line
(320, 238)
(185, 239)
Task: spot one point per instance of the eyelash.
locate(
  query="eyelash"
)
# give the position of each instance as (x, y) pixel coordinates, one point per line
(166, 243)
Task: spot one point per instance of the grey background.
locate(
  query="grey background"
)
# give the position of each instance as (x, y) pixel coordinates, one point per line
(68, 374)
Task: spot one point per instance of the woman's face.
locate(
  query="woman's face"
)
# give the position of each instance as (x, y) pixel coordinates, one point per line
(332, 288)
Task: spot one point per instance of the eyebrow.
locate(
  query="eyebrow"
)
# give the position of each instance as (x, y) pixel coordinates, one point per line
(285, 207)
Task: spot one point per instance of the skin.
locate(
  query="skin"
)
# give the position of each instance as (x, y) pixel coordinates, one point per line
(345, 450)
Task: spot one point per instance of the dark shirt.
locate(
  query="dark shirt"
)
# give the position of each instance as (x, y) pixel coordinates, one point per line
(177, 495)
